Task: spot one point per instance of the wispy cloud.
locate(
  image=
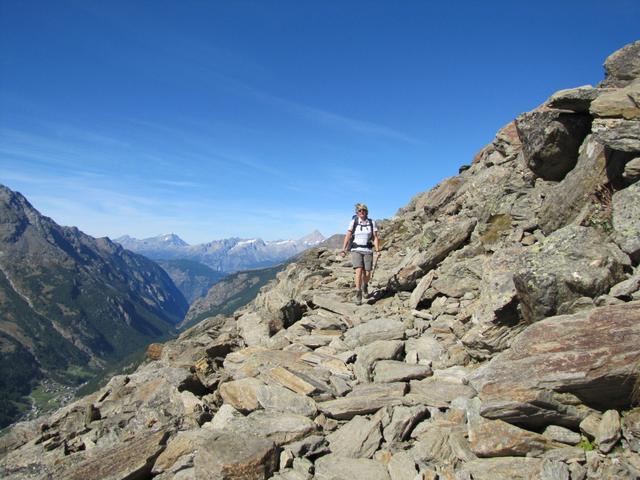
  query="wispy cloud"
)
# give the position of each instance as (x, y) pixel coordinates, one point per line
(331, 119)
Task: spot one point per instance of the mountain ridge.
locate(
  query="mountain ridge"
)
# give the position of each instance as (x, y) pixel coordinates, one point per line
(226, 255)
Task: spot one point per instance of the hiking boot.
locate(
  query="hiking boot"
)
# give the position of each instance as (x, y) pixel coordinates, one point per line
(365, 291)
(358, 298)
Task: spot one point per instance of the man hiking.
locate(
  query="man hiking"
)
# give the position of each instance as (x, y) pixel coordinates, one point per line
(361, 237)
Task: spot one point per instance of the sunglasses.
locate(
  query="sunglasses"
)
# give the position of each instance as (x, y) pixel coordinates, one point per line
(361, 210)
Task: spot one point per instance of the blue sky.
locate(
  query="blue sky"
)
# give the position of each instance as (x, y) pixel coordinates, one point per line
(213, 119)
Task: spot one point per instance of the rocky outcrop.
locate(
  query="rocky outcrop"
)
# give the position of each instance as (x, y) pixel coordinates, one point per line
(500, 340)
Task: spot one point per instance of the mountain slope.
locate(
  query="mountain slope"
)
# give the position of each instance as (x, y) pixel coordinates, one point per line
(501, 340)
(72, 302)
(193, 279)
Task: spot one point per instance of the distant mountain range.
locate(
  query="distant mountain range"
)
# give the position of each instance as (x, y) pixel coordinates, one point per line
(71, 303)
(227, 255)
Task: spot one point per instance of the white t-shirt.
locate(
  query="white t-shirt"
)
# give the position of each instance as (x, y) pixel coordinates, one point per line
(363, 233)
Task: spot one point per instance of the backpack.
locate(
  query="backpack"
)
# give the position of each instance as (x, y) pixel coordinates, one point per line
(354, 225)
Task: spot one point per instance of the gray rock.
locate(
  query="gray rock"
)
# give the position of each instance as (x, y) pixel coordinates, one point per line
(402, 466)
(618, 134)
(436, 392)
(403, 420)
(280, 399)
(626, 220)
(369, 354)
(562, 435)
(608, 432)
(358, 438)
(550, 141)
(631, 171)
(589, 426)
(242, 394)
(433, 447)
(505, 468)
(334, 467)
(552, 470)
(395, 371)
(631, 429)
(566, 200)
(585, 354)
(575, 99)
(373, 330)
(622, 66)
(618, 103)
(278, 427)
(448, 236)
(225, 455)
(555, 272)
(566, 454)
(363, 402)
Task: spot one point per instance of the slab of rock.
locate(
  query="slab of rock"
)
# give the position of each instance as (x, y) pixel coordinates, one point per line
(609, 431)
(564, 201)
(436, 392)
(132, 458)
(495, 438)
(280, 399)
(418, 292)
(358, 438)
(622, 66)
(373, 330)
(335, 304)
(387, 371)
(278, 427)
(631, 429)
(618, 134)
(334, 467)
(556, 272)
(552, 470)
(363, 402)
(241, 394)
(448, 236)
(585, 354)
(504, 468)
(427, 350)
(403, 420)
(221, 455)
(622, 102)
(626, 220)
(550, 141)
(562, 435)
(575, 99)
(631, 172)
(368, 355)
(402, 466)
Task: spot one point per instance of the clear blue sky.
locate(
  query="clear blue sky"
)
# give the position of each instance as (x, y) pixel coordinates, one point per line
(269, 119)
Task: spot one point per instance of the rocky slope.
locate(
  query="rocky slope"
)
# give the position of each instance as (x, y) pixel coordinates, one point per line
(193, 279)
(227, 255)
(71, 302)
(501, 342)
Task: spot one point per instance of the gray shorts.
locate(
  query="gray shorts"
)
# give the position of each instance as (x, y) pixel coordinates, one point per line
(362, 259)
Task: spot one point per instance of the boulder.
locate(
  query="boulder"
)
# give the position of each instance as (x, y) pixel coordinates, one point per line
(436, 392)
(364, 401)
(591, 355)
(447, 236)
(403, 420)
(374, 330)
(609, 431)
(631, 172)
(620, 103)
(241, 394)
(556, 272)
(503, 468)
(564, 201)
(622, 66)
(220, 455)
(335, 467)
(387, 371)
(358, 438)
(550, 140)
(618, 134)
(626, 220)
(575, 99)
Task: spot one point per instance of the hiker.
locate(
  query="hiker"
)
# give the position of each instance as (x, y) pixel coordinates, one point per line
(361, 237)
